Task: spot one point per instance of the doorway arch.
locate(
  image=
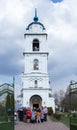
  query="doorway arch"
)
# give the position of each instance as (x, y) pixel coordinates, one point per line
(35, 101)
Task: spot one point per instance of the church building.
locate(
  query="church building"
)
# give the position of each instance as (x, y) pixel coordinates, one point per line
(36, 89)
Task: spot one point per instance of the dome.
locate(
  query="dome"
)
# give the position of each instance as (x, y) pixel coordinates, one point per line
(35, 22)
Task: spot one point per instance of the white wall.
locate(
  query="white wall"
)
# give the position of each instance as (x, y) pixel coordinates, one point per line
(41, 75)
(46, 100)
(29, 58)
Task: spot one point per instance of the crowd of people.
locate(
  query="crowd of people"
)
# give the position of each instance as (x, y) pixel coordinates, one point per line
(37, 115)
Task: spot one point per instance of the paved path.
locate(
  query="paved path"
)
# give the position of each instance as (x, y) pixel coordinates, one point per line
(49, 125)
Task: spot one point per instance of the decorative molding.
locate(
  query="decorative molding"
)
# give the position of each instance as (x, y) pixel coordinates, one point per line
(30, 53)
(39, 88)
(42, 34)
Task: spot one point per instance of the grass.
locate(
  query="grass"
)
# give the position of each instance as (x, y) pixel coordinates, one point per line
(53, 119)
(64, 119)
(3, 118)
(7, 126)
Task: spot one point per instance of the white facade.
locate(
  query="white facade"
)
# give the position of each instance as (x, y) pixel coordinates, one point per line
(36, 90)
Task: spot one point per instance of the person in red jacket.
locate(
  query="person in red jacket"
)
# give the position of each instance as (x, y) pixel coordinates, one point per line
(28, 115)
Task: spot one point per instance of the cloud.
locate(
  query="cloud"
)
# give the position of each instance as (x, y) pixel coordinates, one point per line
(60, 21)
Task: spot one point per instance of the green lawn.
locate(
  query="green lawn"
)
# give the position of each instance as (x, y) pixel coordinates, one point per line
(64, 119)
(7, 126)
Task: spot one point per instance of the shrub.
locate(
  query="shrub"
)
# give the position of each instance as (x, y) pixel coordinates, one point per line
(57, 116)
(50, 111)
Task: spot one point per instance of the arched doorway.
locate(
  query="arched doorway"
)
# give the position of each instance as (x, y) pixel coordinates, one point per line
(35, 101)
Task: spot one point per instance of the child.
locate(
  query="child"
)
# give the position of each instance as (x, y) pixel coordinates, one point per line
(38, 116)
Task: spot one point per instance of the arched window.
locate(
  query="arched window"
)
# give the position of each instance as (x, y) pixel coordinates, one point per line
(36, 64)
(36, 85)
(35, 45)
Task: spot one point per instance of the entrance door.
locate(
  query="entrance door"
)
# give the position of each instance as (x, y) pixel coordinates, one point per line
(36, 105)
(35, 101)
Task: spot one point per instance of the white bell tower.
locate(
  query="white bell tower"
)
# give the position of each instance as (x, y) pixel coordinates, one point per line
(36, 90)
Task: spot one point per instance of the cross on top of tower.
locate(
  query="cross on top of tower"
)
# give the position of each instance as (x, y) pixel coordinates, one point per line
(35, 17)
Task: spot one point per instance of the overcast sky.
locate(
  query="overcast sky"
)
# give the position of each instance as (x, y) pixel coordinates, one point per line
(60, 19)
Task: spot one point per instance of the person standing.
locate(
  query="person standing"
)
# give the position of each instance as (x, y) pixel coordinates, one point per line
(33, 116)
(42, 114)
(45, 113)
(24, 114)
(28, 115)
(38, 116)
(16, 117)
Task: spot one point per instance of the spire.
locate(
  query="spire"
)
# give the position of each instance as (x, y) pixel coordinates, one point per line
(35, 17)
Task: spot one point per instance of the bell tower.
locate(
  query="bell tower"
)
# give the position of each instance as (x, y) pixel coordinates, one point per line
(36, 90)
